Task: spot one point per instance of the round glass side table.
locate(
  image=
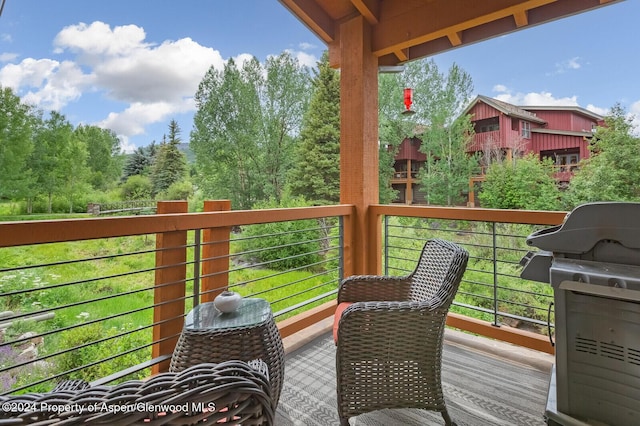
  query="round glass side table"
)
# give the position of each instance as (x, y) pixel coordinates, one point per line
(249, 333)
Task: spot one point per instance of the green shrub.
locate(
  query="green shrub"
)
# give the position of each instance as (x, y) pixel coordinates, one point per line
(285, 245)
(137, 187)
(95, 352)
(182, 190)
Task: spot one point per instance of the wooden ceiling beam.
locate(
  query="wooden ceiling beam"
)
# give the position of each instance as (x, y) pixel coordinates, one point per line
(521, 18)
(370, 9)
(414, 27)
(455, 38)
(313, 16)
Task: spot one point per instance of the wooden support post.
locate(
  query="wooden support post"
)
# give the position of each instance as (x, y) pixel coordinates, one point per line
(215, 254)
(169, 293)
(359, 145)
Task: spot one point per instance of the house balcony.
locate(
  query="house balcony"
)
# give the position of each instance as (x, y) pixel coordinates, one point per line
(104, 299)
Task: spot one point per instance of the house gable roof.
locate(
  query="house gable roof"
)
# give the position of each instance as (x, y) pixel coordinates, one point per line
(505, 108)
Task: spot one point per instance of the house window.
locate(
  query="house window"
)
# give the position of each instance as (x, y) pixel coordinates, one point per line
(567, 162)
(487, 125)
(526, 129)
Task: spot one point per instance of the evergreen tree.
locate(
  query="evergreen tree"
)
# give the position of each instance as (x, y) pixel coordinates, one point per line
(170, 165)
(315, 173)
(140, 162)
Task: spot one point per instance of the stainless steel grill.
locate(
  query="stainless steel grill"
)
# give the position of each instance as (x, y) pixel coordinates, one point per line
(592, 261)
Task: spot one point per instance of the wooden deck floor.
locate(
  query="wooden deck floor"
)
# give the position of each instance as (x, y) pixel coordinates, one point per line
(485, 383)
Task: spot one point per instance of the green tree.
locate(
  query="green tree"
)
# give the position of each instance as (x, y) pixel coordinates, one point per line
(52, 140)
(244, 128)
(315, 173)
(140, 161)
(612, 172)
(104, 158)
(170, 165)
(525, 183)
(439, 101)
(17, 122)
(74, 173)
(392, 129)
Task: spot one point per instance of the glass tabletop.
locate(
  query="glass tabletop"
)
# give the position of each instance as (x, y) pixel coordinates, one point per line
(252, 311)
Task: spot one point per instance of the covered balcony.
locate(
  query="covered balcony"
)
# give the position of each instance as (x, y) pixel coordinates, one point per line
(65, 317)
(76, 307)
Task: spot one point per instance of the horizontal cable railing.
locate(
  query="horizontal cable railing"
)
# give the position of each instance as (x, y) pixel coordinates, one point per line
(105, 300)
(491, 289)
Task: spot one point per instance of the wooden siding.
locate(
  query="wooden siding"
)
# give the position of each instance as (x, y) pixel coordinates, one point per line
(550, 142)
(409, 149)
(565, 120)
(481, 111)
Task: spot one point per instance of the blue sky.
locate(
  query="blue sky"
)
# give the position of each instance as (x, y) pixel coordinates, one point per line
(134, 65)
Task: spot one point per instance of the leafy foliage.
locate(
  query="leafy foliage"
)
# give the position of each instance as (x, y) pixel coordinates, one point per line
(284, 245)
(525, 183)
(445, 175)
(16, 144)
(612, 173)
(83, 355)
(104, 159)
(137, 187)
(244, 128)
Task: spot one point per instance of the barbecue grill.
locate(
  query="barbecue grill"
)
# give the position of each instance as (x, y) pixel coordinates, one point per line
(592, 261)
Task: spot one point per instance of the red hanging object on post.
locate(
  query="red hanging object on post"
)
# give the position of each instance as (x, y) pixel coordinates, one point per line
(408, 100)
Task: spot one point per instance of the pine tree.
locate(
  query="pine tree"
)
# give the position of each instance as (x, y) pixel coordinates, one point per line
(170, 165)
(316, 171)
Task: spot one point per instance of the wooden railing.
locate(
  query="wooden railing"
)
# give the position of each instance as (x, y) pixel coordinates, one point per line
(173, 229)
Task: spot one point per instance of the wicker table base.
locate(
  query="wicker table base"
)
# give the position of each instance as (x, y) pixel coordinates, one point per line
(212, 338)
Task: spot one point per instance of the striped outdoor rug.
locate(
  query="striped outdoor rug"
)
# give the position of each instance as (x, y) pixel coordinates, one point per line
(480, 389)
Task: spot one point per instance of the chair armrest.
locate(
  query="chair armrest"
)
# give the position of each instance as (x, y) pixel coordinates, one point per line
(365, 288)
(391, 320)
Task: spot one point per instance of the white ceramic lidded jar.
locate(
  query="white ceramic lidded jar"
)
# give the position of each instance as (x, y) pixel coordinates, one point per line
(227, 301)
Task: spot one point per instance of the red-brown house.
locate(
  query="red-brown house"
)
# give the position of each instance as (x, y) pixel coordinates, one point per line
(502, 131)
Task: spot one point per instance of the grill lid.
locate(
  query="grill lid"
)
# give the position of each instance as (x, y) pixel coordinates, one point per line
(607, 232)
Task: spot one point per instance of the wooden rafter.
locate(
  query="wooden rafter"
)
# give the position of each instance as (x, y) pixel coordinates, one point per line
(403, 30)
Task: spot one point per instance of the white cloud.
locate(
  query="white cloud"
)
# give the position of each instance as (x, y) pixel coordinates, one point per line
(304, 58)
(634, 112)
(155, 81)
(567, 65)
(533, 98)
(8, 57)
(306, 46)
(597, 110)
(126, 146)
(132, 120)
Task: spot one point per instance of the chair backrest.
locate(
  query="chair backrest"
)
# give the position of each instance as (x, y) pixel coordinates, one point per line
(230, 392)
(439, 272)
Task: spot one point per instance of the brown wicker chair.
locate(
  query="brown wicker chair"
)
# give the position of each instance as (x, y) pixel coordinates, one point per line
(231, 392)
(389, 338)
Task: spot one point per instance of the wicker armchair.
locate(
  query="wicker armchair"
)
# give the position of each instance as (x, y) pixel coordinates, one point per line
(390, 332)
(231, 392)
